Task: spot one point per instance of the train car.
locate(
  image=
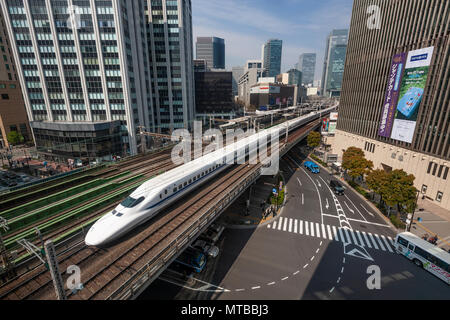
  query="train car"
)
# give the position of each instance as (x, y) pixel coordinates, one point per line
(156, 194)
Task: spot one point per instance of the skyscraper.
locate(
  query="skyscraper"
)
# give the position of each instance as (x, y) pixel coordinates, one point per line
(272, 57)
(237, 74)
(211, 49)
(13, 115)
(395, 101)
(171, 63)
(94, 71)
(333, 69)
(307, 65)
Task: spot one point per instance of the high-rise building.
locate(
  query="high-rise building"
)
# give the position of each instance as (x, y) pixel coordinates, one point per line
(307, 65)
(211, 49)
(272, 50)
(253, 64)
(295, 77)
(395, 101)
(237, 74)
(94, 71)
(334, 62)
(13, 115)
(171, 63)
(213, 92)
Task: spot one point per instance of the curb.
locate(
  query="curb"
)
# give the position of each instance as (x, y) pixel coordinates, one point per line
(379, 213)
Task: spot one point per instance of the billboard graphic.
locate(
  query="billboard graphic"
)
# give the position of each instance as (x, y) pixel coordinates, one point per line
(411, 94)
(332, 128)
(390, 102)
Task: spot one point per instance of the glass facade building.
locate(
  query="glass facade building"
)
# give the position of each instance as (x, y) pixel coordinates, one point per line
(95, 61)
(272, 51)
(211, 49)
(333, 69)
(307, 65)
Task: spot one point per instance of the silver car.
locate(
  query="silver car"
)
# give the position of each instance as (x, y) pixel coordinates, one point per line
(206, 248)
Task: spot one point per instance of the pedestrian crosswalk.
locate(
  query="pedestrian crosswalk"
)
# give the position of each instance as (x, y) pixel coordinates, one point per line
(333, 233)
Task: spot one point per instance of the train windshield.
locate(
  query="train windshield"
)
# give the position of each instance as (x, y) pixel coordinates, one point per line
(130, 202)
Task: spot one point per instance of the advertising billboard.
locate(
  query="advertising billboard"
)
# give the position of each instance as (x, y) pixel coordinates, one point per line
(332, 128)
(411, 94)
(333, 116)
(390, 102)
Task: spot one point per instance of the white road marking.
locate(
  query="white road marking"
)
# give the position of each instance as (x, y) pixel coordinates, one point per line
(328, 205)
(347, 236)
(341, 234)
(351, 210)
(318, 193)
(295, 226)
(239, 290)
(367, 222)
(285, 278)
(312, 229)
(306, 265)
(258, 287)
(367, 240)
(392, 241)
(280, 223)
(296, 272)
(299, 182)
(307, 228)
(336, 238)
(324, 233)
(290, 224)
(285, 224)
(353, 237)
(360, 238)
(338, 280)
(313, 258)
(367, 210)
(318, 249)
(332, 289)
(318, 183)
(387, 244)
(342, 270)
(303, 199)
(301, 227)
(380, 242)
(373, 241)
(317, 230)
(271, 284)
(355, 207)
(330, 236)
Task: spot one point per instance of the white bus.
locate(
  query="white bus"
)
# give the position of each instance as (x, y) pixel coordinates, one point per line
(424, 255)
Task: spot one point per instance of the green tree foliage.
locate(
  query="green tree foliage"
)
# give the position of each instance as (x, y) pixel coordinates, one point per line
(378, 182)
(314, 139)
(401, 191)
(355, 163)
(15, 138)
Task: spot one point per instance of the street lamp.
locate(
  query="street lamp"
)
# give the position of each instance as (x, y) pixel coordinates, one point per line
(415, 207)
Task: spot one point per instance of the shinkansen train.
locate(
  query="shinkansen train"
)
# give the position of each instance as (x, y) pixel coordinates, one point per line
(156, 194)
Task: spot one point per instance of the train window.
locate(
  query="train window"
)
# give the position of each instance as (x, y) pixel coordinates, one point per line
(185, 184)
(198, 177)
(174, 190)
(160, 196)
(165, 191)
(190, 181)
(131, 202)
(180, 186)
(195, 178)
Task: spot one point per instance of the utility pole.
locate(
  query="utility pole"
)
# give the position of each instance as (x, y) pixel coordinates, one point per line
(54, 270)
(414, 211)
(6, 261)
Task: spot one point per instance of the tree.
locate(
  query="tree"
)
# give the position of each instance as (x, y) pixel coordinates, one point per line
(14, 138)
(314, 139)
(401, 191)
(355, 163)
(378, 182)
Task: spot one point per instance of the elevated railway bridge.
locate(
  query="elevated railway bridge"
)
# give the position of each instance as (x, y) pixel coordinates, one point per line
(126, 268)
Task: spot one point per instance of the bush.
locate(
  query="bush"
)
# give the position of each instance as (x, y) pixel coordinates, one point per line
(319, 161)
(397, 222)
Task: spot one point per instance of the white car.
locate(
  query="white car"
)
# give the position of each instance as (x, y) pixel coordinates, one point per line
(206, 248)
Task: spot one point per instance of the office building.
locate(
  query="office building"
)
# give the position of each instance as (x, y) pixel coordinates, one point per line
(211, 49)
(253, 64)
(295, 77)
(13, 115)
(95, 71)
(272, 51)
(387, 68)
(247, 80)
(334, 62)
(237, 74)
(200, 65)
(267, 95)
(307, 66)
(213, 92)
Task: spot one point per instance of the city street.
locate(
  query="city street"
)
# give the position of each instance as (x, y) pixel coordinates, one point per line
(306, 254)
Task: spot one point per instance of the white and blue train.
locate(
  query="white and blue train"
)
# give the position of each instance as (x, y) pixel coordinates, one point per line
(156, 194)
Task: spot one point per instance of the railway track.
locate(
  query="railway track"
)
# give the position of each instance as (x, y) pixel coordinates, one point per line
(104, 269)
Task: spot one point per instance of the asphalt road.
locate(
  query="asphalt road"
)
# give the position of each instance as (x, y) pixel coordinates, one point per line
(304, 253)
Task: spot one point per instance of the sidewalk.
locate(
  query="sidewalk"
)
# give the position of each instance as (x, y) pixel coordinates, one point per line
(236, 215)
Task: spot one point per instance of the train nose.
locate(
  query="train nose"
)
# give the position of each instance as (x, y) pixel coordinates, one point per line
(93, 238)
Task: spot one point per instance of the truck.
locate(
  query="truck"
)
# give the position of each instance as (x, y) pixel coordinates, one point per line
(191, 259)
(311, 166)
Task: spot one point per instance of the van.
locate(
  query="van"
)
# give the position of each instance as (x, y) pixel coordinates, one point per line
(337, 187)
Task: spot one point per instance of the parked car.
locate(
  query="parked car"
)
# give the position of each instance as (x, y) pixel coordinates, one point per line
(24, 177)
(212, 234)
(206, 248)
(337, 187)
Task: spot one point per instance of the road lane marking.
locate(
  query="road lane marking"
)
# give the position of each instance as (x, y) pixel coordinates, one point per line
(299, 182)
(317, 230)
(285, 224)
(367, 210)
(290, 224)
(295, 226)
(301, 227)
(347, 236)
(386, 242)
(380, 242)
(330, 236)
(271, 283)
(307, 228)
(285, 278)
(351, 210)
(324, 233)
(335, 233)
(318, 193)
(367, 239)
(342, 235)
(373, 241)
(353, 237)
(303, 199)
(355, 207)
(304, 267)
(312, 229)
(280, 223)
(360, 238)
(258, 287)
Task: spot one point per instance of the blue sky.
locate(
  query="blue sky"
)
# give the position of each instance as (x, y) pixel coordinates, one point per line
(303, 25)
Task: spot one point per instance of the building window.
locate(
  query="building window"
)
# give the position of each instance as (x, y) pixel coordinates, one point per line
(5, 96)
(435, 169)
(445, 173)
(439, 196)
(440, 171)
(424, 189)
